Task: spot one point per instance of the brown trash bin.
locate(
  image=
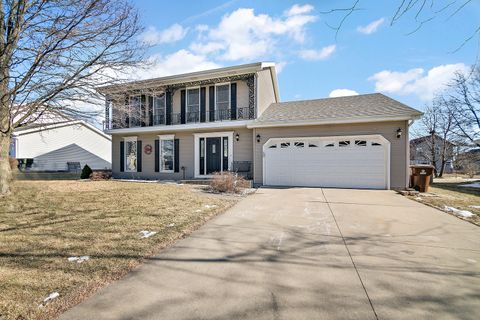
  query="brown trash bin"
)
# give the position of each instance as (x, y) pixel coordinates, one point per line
(420, 177)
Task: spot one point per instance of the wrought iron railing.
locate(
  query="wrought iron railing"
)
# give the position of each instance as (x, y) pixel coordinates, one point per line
(162, 119)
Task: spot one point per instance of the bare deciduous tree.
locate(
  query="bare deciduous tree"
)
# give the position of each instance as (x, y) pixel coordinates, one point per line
(53, 53)
(463, 97)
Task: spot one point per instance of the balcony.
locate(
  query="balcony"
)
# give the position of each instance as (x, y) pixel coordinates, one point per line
(177, 119)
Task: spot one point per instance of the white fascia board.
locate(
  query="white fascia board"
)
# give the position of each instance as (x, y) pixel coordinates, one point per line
(183, 127)
(325, 122)
(187, 77)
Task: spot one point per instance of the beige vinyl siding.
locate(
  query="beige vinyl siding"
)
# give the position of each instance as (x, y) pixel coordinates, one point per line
(398, 153)
(242, 151)
(265, 91)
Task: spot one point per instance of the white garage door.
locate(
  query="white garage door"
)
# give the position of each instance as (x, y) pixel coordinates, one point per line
(340, 162)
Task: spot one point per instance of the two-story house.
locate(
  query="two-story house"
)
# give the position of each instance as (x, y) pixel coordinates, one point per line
(430, 150)
(189, 126)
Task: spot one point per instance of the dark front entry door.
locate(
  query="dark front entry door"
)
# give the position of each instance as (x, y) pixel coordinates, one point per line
(214, 154)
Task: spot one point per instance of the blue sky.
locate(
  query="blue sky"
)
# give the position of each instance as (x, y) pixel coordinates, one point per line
(367, 55)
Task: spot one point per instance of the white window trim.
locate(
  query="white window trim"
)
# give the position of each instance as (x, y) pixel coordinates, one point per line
(166, 137)
(159, 95)
(129, 139)
(197, 136)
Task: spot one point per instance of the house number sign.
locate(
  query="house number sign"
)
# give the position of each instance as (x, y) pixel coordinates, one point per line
(147, 149)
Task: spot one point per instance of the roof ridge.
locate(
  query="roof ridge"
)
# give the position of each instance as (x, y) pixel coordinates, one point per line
(331, 98)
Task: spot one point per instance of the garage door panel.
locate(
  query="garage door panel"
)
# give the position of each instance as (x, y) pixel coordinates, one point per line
(351, 166)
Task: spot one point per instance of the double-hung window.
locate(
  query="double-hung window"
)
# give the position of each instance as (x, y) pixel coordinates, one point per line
(222, 102)
(193, 105)
(167, 153)
(159, 113)
(130, 154)
(135, 111)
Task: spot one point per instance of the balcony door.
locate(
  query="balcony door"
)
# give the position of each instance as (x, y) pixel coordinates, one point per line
(193, 105)
(222, 102)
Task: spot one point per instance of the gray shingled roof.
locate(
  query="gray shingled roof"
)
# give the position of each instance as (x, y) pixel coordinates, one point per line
(362, 107)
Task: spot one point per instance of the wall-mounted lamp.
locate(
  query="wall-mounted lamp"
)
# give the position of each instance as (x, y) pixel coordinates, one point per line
(399, 133)
(237, 136)
(258, 138)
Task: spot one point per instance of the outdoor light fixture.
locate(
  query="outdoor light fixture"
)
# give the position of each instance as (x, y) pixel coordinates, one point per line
(399, 133)
(237, 137)
(258, 138)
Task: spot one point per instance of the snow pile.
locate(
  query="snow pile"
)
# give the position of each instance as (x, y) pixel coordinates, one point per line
(146, 234)
(474, 207)
(462, 213)
(471, 185)
(210, 206)
(78, 259)
(50, 297)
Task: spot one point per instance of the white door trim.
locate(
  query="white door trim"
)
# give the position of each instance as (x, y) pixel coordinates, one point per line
(196, 138)
(372, 136)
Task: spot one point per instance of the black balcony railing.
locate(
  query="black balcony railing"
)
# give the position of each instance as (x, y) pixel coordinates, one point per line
(190, 117)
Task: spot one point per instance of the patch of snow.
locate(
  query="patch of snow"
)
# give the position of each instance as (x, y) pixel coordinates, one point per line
(146, 234)
(50, 297)
(471, 185)
(474, 207)
(208, 206)
(171, 225)
(198, 210)
(419, 198)
(78, 259)
(458, 212)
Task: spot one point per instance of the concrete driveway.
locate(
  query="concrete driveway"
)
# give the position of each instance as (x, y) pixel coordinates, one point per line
(305, 253)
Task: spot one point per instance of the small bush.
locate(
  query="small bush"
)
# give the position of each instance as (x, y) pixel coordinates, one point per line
(101, 175)
(86, 172)
(227, 182)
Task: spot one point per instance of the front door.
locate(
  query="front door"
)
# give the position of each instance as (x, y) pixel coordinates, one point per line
(214, 155)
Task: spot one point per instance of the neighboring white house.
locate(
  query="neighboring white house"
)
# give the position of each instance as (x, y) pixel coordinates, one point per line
(61, 145)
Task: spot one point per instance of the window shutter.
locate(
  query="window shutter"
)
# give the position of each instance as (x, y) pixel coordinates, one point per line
(157, 155)
(150, 110)
(143, 110)
(233, 101)
(176, 151)
(139, 155)
(183, 106)
(211, 107)
(122, 156)
(203, 97)
(168, 107)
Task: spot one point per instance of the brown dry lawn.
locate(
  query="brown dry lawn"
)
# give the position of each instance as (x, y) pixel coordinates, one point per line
(45, 222)
(451, 194)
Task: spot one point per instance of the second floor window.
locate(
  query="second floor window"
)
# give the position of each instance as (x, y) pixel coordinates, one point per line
(193, 105)
(222, 102)
(159, 109)
(135, 111)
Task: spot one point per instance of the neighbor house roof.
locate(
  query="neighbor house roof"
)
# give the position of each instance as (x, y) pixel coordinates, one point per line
(33, 128)
(429, 138)
(351, 109)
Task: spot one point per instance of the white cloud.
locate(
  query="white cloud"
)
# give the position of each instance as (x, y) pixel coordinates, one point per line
(181, 61)
(279, 66)
(342, 93)
(244, 35)
(298, 9)
(320, 54)
(371, 27)
(173, 33)
(416, 81)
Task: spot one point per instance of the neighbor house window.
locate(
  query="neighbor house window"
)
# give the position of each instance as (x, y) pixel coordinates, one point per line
(131, 154)
(222, 102)
(166, 153)
(159, 109)
(193, 105)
